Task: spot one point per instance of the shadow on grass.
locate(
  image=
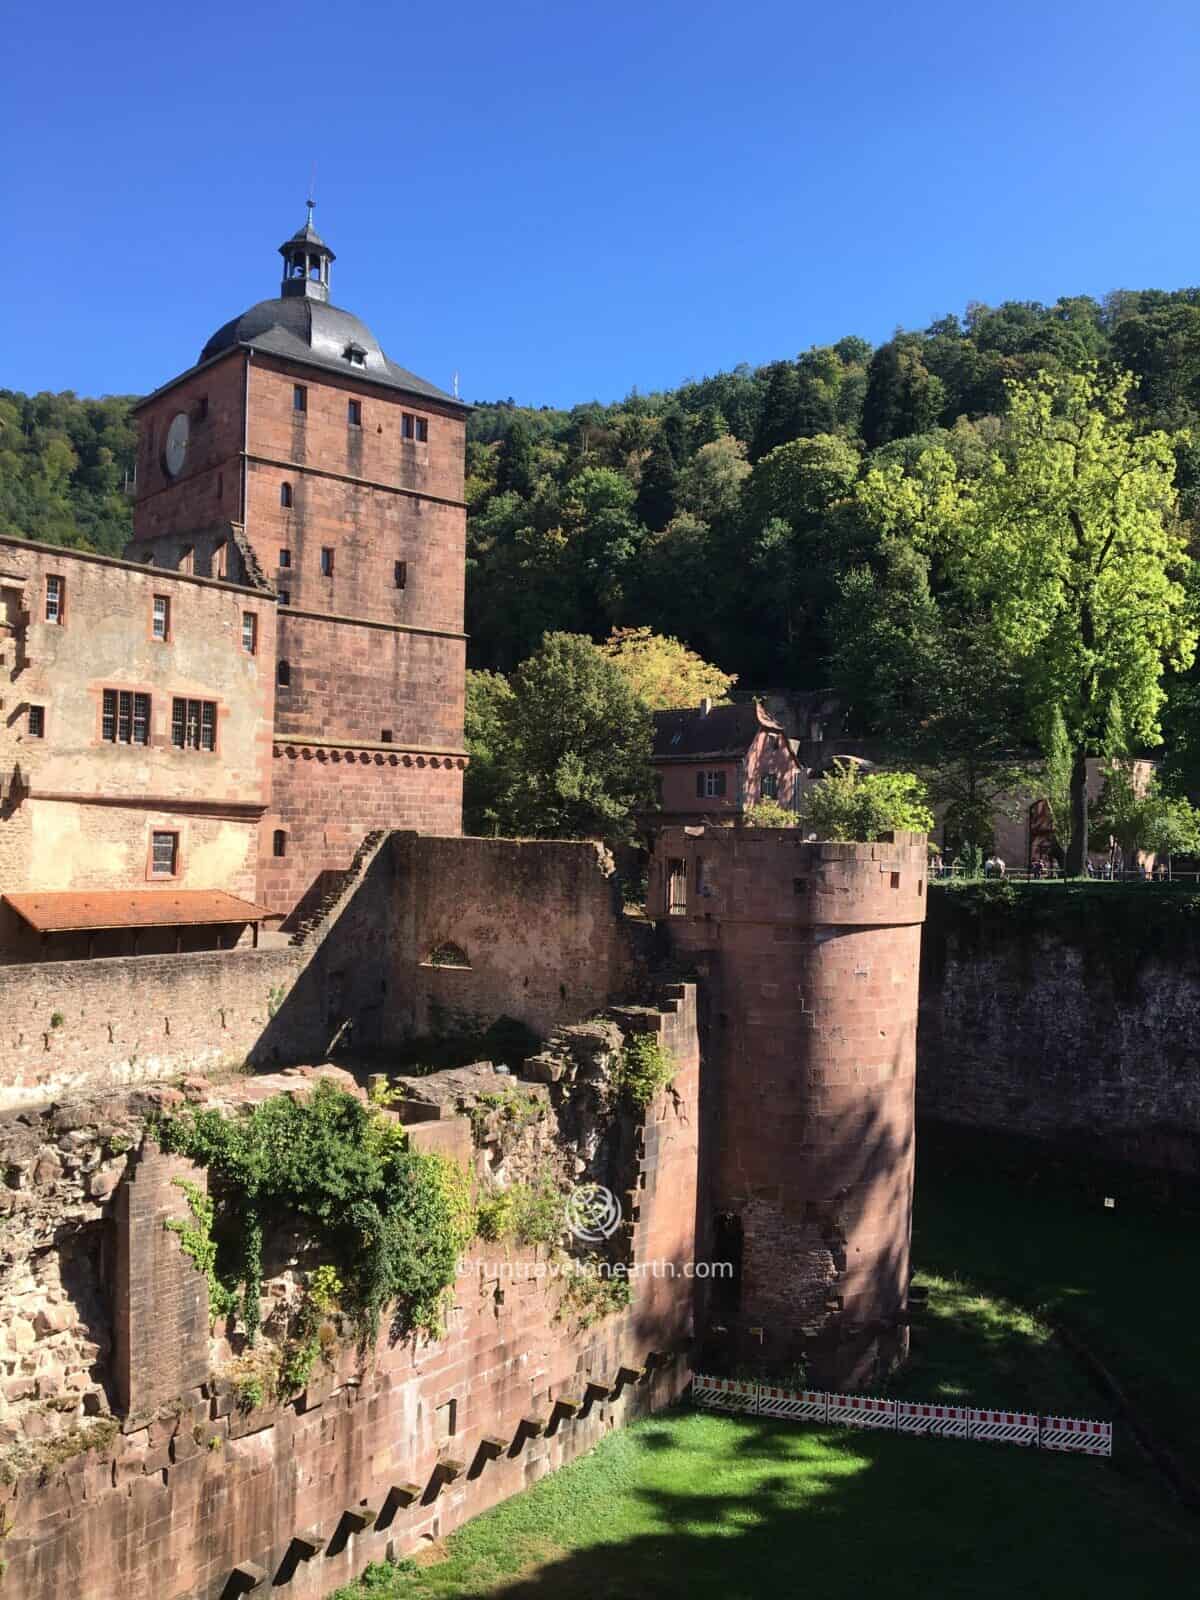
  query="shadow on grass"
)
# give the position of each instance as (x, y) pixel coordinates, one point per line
(696, 1505)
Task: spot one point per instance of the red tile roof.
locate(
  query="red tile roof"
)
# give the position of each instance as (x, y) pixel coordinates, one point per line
(67, 912)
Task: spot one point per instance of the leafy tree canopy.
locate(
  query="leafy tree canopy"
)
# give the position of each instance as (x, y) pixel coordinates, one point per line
(663, 673)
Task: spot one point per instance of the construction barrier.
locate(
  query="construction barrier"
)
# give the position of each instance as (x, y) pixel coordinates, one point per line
(947, 1422)
(1069, 1433)
(903, 1416)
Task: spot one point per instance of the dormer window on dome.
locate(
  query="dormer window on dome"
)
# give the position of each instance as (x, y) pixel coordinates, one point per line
(356, 355)
(306, 262)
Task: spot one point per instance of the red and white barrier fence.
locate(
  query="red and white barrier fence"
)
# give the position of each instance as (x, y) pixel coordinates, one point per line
(903, 1416)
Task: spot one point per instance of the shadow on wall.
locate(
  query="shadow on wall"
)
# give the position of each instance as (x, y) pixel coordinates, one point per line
(446, 937)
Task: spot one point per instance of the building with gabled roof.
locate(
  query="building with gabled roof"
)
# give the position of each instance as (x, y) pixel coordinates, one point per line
(712, 762)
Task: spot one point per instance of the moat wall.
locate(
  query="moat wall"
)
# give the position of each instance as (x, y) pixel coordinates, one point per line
(1066, 1016)
(189, 1497)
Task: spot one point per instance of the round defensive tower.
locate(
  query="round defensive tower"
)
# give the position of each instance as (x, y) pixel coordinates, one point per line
(809, 958)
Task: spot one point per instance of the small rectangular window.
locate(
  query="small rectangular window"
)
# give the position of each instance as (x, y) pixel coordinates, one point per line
(37, 722)
(249, 632)
(299, 397)
(164, 854)
(285, 597)
(385, 736)
(326, 562)
(279, 843)
(208, 725)
(710, 785)
(285, 558)
(769, 786)
(108, 719)
(141, 719)
(354, 413)
(676, 887)
(400, 574)
(422, 431)
(407, 425)
(54, 600)
(162, 617)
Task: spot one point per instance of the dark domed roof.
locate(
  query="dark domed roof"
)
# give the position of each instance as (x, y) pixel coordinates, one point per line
(318, 334)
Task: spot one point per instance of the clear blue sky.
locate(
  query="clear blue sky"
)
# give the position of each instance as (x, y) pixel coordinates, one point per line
(562, 201)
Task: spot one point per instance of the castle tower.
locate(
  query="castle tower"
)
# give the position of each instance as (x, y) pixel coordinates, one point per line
(809, 955)
(296, 454)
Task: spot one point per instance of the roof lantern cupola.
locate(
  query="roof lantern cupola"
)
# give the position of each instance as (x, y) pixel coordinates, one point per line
(306, 262)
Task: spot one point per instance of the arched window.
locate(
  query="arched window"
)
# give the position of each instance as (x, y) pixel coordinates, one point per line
(279, 843)
(448, 955)
(283, 674)
(285, 494)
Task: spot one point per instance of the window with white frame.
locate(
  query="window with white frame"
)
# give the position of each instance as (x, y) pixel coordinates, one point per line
(194, 724)
(124, 717)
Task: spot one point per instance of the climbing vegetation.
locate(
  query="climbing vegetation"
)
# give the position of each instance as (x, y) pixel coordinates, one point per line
(646, 1068)
(525, 1213)
(392, 1220)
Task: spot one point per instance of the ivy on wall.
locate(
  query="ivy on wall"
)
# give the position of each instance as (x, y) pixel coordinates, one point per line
(392, 1220)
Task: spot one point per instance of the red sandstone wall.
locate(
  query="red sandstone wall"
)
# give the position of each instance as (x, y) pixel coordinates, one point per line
(168, 1513)
(209, 489)
(810, 957)
(326, 797)
(539, 921)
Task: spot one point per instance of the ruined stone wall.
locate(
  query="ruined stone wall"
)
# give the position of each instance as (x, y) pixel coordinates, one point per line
(69, 1027)
(376, 1456)
(809, 955)
(1078, 1029)
(538, 922)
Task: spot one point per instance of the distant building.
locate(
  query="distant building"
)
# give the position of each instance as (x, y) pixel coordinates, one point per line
(714, 762)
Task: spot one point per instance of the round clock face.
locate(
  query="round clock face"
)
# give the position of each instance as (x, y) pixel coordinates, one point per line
(175, 449)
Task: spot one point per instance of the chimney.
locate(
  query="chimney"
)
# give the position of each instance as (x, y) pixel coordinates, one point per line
(705, 706)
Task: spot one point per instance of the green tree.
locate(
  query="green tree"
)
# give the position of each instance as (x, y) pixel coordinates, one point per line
(663, 673)
(1072, 541)
(572, 746)
(850, 804)
(710, 484)
(1142, 817)
(487, 695)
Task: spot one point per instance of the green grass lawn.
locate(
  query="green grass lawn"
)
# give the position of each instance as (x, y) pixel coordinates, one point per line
(694, 1504)
(1126, 1280)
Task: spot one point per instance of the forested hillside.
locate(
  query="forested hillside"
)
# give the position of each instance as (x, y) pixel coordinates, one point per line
(723, 512)
(64, 464)
(758, 515)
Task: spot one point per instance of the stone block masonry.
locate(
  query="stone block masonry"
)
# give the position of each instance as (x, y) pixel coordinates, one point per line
(1078, 1029)
(375, 1456)
(809, 956)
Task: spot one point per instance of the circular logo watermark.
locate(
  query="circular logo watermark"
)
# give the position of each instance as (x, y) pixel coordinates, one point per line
(593, 1212)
